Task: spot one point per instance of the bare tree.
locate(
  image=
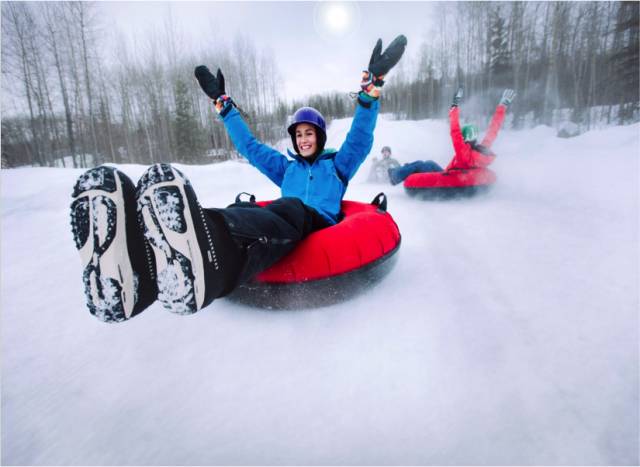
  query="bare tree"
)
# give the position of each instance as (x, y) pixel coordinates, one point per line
(81, 15)
(68, 97)
(16, 18)
(54, 17)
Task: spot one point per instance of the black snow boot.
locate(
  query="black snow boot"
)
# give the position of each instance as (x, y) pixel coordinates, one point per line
(195, 257)
(118, 276)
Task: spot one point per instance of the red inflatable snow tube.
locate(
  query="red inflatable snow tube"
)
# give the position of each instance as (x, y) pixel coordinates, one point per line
(331, 264)
(449, 184)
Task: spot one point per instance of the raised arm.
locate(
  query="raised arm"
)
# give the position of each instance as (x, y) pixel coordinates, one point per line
(494, 126)
(359, 140)
(266, 159)
(498, 117)
(454, 124)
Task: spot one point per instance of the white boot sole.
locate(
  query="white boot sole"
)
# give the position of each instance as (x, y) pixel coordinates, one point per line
(98, 213)
(169, 228)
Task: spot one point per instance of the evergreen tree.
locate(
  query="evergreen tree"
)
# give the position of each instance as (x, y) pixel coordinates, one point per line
(339, 104)
(188, 137)
(499, 54)
(626, 58)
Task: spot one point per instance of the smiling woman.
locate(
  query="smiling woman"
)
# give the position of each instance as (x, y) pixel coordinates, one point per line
(335, 20)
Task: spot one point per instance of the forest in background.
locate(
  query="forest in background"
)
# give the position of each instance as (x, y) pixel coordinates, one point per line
(572, 62)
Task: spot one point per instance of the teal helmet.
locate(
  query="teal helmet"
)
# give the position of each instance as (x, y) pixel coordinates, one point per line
(469, 133)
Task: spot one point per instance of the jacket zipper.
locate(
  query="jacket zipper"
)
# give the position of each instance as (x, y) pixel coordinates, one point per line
(306, 195)
(309, 178)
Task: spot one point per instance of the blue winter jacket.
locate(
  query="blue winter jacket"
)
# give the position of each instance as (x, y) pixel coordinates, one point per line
(322, 184)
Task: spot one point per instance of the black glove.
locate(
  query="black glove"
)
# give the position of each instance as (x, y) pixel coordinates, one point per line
(457, 97)
(379, 66)
(213, 86)
(381, 63)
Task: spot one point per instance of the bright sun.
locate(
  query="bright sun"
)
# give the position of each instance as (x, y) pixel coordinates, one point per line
(336, 19)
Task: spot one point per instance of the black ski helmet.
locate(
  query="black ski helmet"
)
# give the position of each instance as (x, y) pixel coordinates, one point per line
(312, 117)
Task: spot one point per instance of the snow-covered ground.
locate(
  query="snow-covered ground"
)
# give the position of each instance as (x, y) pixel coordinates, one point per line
(507, 333)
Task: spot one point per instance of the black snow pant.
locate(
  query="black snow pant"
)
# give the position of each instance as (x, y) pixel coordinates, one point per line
(263, 235)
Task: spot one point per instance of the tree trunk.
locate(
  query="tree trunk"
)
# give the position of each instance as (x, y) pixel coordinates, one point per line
(16, 14)
(52, 18)
(82, 27)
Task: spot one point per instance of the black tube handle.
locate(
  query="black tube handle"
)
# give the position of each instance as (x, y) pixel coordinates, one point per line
(381, 202)
(252, 198)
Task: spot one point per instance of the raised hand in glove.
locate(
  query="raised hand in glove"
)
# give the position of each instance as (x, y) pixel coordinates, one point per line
(457, 97)
(380, 63)
(507, 97)
(213, 86)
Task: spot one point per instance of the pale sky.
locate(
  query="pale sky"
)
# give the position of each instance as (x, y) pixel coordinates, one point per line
(318, 46)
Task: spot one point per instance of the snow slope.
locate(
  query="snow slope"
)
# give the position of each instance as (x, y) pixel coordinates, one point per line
(507, 333)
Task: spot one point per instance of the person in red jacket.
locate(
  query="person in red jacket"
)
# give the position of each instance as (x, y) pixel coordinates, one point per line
(469, 154)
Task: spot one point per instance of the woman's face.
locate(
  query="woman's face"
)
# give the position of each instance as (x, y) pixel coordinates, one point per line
(306, 139)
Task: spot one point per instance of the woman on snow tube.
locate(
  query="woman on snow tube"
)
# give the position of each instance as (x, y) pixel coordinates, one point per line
(330, 264)
(156, 241)
(467, 172)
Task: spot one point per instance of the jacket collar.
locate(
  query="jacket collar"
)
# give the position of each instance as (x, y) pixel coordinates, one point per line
(325, 154)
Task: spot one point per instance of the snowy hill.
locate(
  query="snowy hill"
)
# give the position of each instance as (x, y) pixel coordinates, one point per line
(507, 333)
